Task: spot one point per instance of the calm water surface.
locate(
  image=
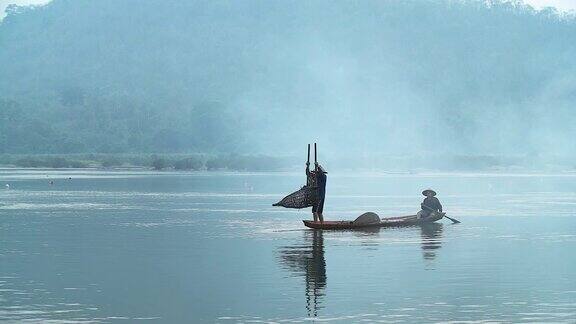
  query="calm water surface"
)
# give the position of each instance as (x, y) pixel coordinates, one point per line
(208, 247)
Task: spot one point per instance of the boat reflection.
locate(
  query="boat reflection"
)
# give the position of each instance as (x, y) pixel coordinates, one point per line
(307, 260)
(431, 235)
(368, 237)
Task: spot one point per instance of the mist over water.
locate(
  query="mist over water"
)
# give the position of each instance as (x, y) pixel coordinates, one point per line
(472, 98)
(370, 78)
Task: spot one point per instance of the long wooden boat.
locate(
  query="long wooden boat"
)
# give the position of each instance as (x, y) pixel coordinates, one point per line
(410, 220)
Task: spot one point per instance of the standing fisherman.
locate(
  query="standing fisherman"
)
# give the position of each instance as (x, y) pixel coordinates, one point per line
(317, 178)
(313, 193)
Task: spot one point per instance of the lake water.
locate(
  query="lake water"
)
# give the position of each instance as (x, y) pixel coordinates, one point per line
(100, 247)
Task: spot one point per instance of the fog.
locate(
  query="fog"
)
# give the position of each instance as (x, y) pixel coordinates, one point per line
(364, 79)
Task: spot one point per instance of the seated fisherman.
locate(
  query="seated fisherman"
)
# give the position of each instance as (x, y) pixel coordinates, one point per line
(430, 204)
(317, 178)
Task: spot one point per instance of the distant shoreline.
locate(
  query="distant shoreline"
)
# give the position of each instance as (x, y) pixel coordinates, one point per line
(157, 162)
(265, 163)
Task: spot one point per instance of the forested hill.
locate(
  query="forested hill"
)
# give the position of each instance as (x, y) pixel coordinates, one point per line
(399, 77)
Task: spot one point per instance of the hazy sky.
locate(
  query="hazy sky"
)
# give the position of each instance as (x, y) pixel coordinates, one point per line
(5, 3)
(564, 5)
(559, 4)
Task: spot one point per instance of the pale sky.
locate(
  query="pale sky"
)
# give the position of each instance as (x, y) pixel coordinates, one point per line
(562, 5)
(5, 3)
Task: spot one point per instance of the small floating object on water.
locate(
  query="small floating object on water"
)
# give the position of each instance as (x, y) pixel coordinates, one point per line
(7, 186)
(51, 182)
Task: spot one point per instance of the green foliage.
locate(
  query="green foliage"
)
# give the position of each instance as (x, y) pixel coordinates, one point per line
(159, 163)
(218, 163)
(407, 76)
(110, 162)
(188, 164)
(180, 162)
(29, 163)
(49, 162)
(77, 164)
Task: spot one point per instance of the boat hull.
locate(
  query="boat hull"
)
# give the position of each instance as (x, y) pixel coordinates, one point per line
(410, 220)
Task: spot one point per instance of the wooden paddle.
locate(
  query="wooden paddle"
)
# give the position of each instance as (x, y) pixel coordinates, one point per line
(455, 221)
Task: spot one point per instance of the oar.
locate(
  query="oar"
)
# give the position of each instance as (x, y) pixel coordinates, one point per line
(455, 221)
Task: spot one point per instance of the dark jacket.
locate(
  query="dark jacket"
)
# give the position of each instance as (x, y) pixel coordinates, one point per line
(433, 203)
(310, 177)
(317, 179)
(321, 183)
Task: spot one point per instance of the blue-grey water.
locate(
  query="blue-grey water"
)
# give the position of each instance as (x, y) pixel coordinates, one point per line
(120, 246)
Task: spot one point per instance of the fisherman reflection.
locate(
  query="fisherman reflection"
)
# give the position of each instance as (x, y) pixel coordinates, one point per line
(308, 261)
(431, 239)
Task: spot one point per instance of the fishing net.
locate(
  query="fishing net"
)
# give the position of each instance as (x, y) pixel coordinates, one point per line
(307, 196)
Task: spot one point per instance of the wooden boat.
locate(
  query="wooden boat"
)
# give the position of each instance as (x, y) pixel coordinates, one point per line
(410, 220)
